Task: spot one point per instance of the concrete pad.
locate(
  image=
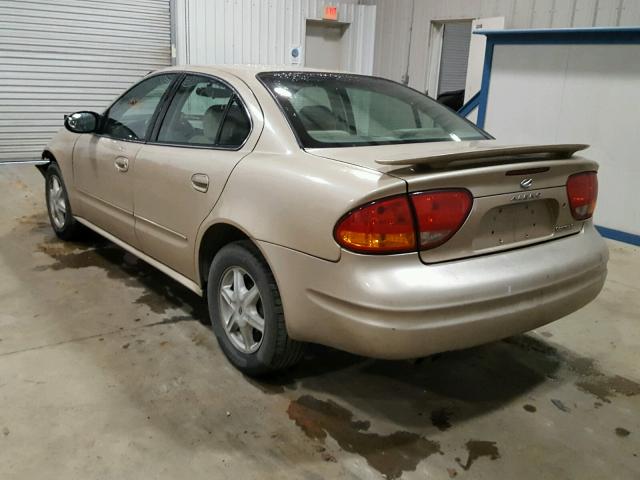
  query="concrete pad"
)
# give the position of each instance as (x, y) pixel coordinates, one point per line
(108, 370)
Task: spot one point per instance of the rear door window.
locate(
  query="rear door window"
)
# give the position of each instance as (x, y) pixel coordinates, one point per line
(196, 112)
(204, 112)
(236, 126)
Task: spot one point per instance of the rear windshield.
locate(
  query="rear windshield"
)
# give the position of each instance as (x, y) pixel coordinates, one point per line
(339, 110)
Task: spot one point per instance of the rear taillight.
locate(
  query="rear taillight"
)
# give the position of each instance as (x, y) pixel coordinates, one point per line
(389, 225)
(385, 226)
(582, 191)
(440, 215)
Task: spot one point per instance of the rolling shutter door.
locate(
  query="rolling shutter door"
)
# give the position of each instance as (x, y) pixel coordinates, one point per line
(60, 56)
(455, 56)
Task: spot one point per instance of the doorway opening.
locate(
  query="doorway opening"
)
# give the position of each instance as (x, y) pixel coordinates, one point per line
(325, 44)
(456, 58)
(453, 63)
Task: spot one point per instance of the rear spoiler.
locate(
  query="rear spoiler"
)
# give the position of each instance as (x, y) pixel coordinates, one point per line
(483, 154)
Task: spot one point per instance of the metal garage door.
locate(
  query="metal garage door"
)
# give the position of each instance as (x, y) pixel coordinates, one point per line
(59, 56)
(455, 56)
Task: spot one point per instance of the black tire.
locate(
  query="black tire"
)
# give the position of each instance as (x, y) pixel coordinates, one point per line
(68, 229)
(276, 350)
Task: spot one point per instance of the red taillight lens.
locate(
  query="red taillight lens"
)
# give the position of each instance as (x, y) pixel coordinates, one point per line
(582, 191)
(385, 226)
(440, 215)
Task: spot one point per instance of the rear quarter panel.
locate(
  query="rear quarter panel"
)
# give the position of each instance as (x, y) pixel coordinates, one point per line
(295, 199)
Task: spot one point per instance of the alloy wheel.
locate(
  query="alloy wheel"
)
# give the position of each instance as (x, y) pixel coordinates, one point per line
(241, 310)
(57, 203)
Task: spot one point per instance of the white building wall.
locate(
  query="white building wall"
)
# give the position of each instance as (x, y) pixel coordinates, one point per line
(561, 107)
(396, 27)
(263, 31)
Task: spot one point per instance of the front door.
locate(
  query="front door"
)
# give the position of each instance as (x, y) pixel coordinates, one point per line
(104, 163)
(181, 173)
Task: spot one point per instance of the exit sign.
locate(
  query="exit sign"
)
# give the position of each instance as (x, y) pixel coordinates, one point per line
(330, 12)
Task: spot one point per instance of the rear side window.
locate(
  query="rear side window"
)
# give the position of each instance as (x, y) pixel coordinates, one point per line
(236, 126)
(204, 112)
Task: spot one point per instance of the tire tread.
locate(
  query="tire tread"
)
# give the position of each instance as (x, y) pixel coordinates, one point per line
(288, 352)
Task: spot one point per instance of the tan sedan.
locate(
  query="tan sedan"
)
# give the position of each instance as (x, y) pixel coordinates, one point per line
(346, 210)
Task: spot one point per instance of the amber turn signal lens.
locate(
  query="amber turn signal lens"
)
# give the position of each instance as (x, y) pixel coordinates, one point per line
(384, 226)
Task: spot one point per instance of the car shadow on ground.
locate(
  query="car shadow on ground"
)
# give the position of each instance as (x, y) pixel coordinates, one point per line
(430, 392)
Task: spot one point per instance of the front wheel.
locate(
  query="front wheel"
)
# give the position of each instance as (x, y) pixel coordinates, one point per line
(246, 311)
(64, 225)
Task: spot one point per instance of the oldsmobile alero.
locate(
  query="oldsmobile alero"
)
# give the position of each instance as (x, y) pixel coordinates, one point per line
(345, 210)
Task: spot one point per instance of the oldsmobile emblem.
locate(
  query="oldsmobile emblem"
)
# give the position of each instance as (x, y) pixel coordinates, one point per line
(526, 183)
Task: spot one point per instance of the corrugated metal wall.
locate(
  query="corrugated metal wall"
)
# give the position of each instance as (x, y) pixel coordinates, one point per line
(59, 56)
(394, 24)
(263, 31)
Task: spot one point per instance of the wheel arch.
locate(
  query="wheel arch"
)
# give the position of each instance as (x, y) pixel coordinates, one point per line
(215, 237)
(46, 155)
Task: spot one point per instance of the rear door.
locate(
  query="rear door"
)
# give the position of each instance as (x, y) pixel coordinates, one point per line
(203, 133)
(104, 163)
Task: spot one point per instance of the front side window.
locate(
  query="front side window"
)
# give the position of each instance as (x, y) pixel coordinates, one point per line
(130, 116)
(338, 110)
(204, 112)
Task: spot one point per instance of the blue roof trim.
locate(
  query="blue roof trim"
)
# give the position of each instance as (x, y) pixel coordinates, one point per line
(517, 31)
(551, 36)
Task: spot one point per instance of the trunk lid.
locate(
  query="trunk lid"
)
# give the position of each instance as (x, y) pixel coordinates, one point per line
(519, 191)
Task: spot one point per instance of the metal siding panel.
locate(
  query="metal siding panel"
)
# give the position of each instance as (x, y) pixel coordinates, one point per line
(455, 55)
(392, 25)
(61, 56)
(583, 13)
(563, 13)
(542, 13)
(262, 31)
(607, 13)
(630, 15)
(521, 15)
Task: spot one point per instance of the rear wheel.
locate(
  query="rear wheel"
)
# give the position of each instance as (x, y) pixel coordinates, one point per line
(64, 225)
(246, 311)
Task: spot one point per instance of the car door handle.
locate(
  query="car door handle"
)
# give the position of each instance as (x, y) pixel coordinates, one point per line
(122, 164)
(200, 182)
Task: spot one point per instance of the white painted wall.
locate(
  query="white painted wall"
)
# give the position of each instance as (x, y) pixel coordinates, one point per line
(567, 94)
(263, 31)
(395, 25)
(476, 54)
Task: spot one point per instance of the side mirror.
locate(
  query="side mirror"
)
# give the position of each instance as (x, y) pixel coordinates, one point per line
(82, 122)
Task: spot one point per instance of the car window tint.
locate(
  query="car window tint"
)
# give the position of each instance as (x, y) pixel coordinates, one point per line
(196, 112)
(129, 117)
(236, 126)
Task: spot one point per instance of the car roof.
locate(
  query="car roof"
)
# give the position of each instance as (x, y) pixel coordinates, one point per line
(244, 71)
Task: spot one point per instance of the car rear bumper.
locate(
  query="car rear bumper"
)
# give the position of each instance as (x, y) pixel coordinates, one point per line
(397, 307)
